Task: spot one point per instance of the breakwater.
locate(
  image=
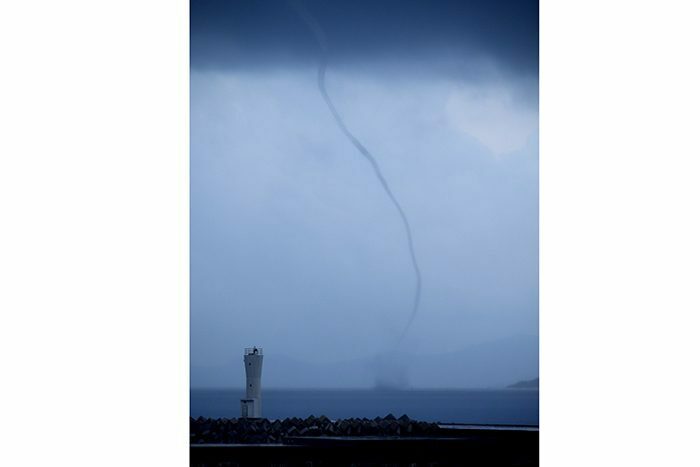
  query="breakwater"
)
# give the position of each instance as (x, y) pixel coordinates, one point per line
(382, 441)
(263, 431)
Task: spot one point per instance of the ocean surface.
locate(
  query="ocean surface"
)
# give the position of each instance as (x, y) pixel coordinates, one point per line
(507, 406)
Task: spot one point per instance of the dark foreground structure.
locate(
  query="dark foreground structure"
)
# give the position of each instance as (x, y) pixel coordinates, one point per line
(385, 441)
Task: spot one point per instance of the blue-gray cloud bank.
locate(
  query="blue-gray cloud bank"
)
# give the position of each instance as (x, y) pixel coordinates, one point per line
(295, 247)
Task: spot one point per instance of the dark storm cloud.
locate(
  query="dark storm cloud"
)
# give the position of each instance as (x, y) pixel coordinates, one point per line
(249, 33)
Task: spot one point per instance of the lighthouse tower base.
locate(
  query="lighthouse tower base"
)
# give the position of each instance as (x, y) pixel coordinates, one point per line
(250, 408)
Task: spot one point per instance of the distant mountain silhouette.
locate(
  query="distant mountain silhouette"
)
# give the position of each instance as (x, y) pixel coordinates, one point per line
(531, 384)
(493, 364)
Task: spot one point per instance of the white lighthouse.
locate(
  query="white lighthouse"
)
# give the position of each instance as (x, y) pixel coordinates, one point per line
(251, 406)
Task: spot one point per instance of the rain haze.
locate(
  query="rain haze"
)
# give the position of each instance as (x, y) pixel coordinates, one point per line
(295, 246)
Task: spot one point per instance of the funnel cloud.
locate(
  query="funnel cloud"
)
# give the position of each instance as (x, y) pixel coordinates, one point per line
(316, 29)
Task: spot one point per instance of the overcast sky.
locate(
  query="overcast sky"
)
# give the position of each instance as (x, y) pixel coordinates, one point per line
(294, 245)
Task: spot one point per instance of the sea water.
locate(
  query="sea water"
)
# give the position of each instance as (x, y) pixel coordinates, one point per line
(508, 406)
